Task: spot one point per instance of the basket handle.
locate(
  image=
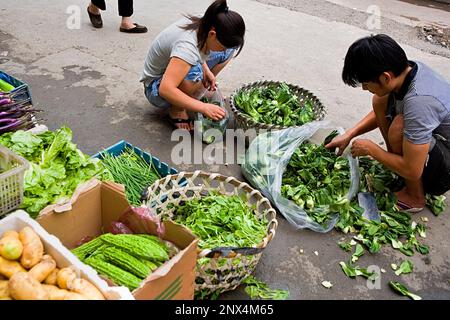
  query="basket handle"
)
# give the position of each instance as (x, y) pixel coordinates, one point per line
(229, 252)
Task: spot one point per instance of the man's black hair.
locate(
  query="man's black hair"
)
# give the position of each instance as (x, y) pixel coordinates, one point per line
(369, 57)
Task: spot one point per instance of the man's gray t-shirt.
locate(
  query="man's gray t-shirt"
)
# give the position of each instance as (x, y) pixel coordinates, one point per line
(174, 41)
(425, 105)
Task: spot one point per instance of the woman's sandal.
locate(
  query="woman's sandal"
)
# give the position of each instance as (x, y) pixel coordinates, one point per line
(96, 19)
(175, 121)
(404, 207)
(137, 29)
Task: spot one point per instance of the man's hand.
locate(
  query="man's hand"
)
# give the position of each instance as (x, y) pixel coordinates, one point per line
(213, 112)
(362, 147)
(340, 142)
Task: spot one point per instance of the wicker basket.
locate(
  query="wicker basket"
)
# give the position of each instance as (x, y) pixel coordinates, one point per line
(218, 269)
(245, 122)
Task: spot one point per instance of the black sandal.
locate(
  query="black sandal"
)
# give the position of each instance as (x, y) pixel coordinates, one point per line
(137, 29)
(96, 19)
(175, 121)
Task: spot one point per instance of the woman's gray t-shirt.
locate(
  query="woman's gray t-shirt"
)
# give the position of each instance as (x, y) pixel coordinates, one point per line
(173, 41)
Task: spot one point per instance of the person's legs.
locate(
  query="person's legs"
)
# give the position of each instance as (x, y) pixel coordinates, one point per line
(191, 85)
(94, 12)
(96, 5)
(127, 25)
(190, 88)
(413, 195)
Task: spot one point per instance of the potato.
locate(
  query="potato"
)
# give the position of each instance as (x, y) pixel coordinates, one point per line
(10, 246)
(65, 277)
(22, 286)
(43, 269)
(4, 291)
(74, 296)
(9, 268)
(86, 289)
(52, 278)
(56, 293)
(33, 249)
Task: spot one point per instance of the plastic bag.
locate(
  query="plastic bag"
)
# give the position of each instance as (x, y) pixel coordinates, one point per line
(208, 130)
(267, 158)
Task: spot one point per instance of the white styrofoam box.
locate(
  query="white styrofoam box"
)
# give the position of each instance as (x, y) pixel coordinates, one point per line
(63, 257)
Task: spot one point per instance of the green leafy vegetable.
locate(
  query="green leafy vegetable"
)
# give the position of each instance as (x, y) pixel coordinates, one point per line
(220, 221)
(359, 251)
(436, 204)
(57, 167)
(401, 289)
(405, 268)
(354, 271)
(318, 181)
(259, 290)
(275, 104)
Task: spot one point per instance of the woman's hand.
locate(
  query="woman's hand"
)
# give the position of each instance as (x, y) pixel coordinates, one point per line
(340, 142)
(213, 112)
(209, 79)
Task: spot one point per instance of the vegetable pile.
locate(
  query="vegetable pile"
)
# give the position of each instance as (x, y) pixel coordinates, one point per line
(131, 170)
(275, 104)
(395, 228)
(33, 275)
(222, 221)
(317, 180)
(15, 114)
(125, 259)
(57, 167)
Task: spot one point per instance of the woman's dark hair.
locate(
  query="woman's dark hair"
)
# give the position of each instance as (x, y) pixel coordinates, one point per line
(369, 57)
(229, 26)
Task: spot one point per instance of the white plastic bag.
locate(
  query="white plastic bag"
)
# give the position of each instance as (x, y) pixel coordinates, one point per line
(267, 158)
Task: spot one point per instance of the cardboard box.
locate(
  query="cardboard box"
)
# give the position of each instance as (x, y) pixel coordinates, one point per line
(63, 257)
(90, 212)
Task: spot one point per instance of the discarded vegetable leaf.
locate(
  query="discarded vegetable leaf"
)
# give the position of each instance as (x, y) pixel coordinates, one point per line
(257, 289)
(401, 289)
(405, 268)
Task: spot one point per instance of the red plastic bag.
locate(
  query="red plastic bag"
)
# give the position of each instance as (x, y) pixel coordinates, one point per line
(142, 220)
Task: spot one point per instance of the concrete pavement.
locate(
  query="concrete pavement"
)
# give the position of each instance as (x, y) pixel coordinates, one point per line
(88, 79)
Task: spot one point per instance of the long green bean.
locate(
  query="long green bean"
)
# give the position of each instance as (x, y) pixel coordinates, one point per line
(131, 170)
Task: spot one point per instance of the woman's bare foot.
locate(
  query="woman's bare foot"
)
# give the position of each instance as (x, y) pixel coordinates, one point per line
(175, 114)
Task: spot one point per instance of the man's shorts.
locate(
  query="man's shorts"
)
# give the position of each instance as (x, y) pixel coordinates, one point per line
(195, 74)
(436, 174)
